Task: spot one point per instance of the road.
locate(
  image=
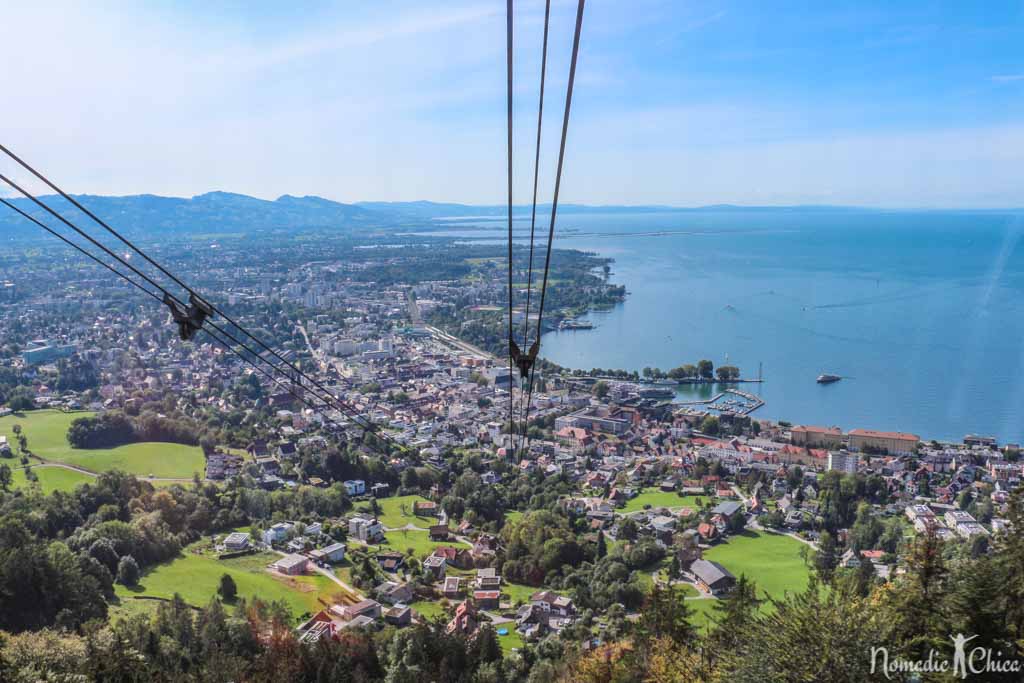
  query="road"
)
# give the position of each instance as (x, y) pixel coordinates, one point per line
(446, 338)
(757, 526)
(330, 575)
(320, 358)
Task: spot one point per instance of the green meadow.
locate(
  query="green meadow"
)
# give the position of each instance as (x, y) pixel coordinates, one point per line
(196, 578)
(510, 641)
(51, 478)
(419, 541)
(46, 431)
(773, 561)
(392, 515)
(429, 609)
(662, 499)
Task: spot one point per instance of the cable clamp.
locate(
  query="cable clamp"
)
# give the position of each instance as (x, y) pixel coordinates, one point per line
(189, 319)
(524, 361)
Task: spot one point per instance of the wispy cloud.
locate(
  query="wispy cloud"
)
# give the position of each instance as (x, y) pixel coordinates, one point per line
(704, 21)
(335, 40)
(1006, 78)
(693, 25)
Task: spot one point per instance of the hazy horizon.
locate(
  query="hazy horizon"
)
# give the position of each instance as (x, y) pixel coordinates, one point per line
(675, 104)
(540, 206)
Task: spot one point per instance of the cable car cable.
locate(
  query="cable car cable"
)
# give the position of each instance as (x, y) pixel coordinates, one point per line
(512, 348)
(79, 248)
(199, 299)
(525, 410)
(554, 201)
(333, 402)
(155, 296)
(167, 295)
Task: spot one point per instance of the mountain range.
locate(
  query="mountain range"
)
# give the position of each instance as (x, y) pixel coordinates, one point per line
(224, 212)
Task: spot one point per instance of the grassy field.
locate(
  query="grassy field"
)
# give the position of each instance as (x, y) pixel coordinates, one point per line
(513, 516)
(419, 541)
(51, 478)
(429, 609)
(515, 592)
(773, 561)
(657, 499)
(687, 590)
(512, 640)
(196, 578)
(392, 516)
(47, 430)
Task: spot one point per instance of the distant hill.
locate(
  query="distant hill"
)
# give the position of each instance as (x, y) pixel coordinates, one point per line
(427, 209)
(214, 212)
(227, 212)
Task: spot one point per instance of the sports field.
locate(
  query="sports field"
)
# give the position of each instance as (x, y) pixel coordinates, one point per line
(46, 431)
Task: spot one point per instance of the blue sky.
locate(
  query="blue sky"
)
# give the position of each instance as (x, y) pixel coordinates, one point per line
(878, 104)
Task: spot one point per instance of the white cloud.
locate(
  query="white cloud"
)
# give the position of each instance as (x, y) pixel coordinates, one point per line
(117, 101)
(1007, 78)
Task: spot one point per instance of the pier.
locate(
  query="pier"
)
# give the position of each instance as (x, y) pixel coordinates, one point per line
(730, 405)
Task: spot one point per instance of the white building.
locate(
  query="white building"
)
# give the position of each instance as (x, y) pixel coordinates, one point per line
(355, 487)
(332, 553)
(843, 462)
(236, 541)
(366, 528)
(277, 533)
(293, 565)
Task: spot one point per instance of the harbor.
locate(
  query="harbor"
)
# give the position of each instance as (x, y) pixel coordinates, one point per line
(570, 324)
(732, 401)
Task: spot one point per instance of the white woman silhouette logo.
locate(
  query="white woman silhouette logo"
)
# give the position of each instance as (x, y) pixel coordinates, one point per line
(960, 657)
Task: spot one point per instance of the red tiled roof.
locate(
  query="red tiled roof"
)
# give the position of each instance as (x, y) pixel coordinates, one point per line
(884, 435)
(817, 430)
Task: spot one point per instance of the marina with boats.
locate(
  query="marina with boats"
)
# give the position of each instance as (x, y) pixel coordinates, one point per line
(733, 401)
(571, 324)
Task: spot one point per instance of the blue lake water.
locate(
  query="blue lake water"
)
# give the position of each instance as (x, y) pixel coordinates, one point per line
(921, 312)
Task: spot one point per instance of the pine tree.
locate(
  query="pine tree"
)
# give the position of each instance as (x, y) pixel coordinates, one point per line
(602, 548)
(827, 558)
(227, 589)
(917, 620)
(978, 604)
(865, 577)
(666, 615)
(1010, 559)
(733, 613)
(823, 635)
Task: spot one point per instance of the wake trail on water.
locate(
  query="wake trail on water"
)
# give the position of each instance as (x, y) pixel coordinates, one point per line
(779, 322)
